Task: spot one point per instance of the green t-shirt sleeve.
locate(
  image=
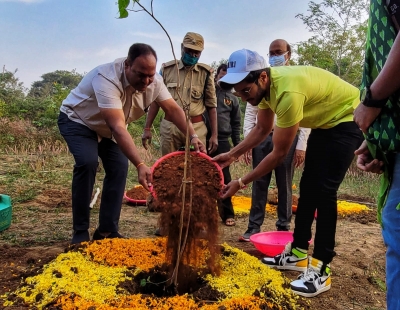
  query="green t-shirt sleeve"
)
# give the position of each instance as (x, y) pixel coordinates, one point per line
(263, 104)
(289, 109)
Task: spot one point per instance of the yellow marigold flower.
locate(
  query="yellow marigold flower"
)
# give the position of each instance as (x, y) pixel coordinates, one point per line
(90, 280)
(242, 205)
(243, 274)
(72, 273)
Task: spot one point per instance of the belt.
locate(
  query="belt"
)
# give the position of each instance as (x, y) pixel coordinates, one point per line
(197, 119)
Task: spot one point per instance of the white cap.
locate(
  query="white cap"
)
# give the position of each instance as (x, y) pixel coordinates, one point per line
(240, 64)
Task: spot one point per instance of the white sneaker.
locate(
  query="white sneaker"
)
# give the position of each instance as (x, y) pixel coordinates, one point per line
(287, 260)
(314, 281)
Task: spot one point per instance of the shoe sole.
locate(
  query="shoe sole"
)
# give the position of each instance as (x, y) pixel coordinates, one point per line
(241, 239)
(326, 288)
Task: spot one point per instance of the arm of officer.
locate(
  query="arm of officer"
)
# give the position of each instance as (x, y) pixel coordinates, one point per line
(210, 102)
(177, 116)
(151, 115)
(213, 142)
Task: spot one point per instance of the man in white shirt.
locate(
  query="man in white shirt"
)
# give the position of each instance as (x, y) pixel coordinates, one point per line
(279, 55)
(93, 121)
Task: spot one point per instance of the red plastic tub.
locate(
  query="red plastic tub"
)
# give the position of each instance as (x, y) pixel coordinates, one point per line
(183, 152)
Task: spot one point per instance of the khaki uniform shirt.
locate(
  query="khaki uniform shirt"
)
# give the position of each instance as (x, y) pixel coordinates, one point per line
(196, 85)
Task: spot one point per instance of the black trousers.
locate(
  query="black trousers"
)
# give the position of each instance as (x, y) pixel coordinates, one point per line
(328, 156)
(84, 146)
(283, 177)
(225, 206)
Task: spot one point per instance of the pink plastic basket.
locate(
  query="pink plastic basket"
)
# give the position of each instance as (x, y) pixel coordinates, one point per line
(160, 160)
(272, 243)
(134, 201)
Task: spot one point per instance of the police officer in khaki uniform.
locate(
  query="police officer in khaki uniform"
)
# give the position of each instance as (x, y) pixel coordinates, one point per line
(196, 87)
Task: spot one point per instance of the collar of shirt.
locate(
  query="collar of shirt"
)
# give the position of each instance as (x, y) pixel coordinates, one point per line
(124, 81)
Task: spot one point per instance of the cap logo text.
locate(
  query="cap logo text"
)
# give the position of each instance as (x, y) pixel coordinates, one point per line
(231, 64)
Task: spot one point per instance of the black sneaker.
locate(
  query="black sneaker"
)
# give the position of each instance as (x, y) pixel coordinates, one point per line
(249, 232)
(80, 236)
(288, 260)
(98, 236)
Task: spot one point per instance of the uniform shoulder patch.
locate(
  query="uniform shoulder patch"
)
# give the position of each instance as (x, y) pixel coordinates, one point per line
(207, 67)
(169, 63)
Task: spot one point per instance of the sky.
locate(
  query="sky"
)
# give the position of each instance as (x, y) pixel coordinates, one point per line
(42, 36)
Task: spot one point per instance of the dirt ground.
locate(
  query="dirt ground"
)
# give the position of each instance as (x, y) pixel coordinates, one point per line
(358, 270)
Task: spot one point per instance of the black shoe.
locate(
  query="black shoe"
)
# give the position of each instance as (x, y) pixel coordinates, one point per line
(98, 236)
(249, 232)
(80, 236)
(279, 228)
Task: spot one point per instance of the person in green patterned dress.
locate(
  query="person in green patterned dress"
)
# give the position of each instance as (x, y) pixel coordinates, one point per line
(379, 118)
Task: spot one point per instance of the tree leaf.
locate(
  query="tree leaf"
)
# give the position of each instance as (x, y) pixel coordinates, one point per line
(123, 4)
(123, 13)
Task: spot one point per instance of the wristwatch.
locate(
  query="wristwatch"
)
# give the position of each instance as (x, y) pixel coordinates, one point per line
(368, 101)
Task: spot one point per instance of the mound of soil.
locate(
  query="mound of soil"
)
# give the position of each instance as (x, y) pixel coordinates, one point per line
(199, 219)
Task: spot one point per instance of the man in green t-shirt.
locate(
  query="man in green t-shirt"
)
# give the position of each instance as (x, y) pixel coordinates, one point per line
(308, 97)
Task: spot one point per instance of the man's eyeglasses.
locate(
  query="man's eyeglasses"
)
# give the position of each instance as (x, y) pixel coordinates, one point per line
(244, 93)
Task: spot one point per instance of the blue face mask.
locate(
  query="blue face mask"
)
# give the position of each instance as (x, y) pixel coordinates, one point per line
(276, 61)
(189, 60)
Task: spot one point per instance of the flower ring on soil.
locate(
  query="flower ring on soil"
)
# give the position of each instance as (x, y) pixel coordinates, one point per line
(127, 274)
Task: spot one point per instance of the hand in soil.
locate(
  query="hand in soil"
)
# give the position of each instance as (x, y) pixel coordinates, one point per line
(144, 176)
(230, 189)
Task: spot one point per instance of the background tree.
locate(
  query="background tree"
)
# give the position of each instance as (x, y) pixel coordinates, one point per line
(339, 28)
(46, 87)
(10, 87)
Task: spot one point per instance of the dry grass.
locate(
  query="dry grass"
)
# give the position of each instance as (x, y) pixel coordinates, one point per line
(32, 165)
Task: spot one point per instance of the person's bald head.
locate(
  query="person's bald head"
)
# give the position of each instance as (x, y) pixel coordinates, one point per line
(280, 47)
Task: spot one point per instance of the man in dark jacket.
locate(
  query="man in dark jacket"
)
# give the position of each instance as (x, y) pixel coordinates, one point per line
(228, 119)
